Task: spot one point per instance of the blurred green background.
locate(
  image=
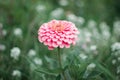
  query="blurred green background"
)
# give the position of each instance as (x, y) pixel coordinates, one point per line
(96, 55)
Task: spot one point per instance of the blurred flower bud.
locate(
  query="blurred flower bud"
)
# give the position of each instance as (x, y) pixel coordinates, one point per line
(15, 53)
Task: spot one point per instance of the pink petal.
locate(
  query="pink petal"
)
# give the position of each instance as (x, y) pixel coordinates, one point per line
(39, 38)
(73, 42)
(54, 44)
(57, 37)
(66, 40)
(54, 39)
(50, 43)
(50, 48)
(62, 46)
(67, 45)
(59, 42)
(45, 43)
(48, 39)
(44, 38)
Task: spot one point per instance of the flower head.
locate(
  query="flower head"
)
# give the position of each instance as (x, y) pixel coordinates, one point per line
(93, 47)
(16, 73)
(63, 2)
(83, 56)
(37, 61)
(57, 13)
(15, 53)
(58, 33)
(40, 8)
(31, 53)
(17, 32)
(91, 66)
(2, 47)
(115, 46)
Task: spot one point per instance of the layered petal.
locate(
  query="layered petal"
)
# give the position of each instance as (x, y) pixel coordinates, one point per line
(58, 33)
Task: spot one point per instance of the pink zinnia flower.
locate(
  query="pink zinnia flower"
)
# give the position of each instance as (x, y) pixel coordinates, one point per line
(58, 33)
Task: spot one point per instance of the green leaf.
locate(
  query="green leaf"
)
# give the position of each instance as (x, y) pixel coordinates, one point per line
(106, 71)
(58, 77)
(46, 72)
(53, 72)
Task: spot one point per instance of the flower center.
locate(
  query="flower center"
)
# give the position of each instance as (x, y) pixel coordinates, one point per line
(58, 27)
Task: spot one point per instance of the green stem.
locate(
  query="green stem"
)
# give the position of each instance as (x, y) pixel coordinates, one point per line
(60, 63)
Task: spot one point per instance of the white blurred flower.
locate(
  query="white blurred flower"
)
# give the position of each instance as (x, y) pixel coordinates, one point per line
(118, 58)
(116, 23)
(37, 61)
(4, 32)
(40, 8)
(84, 46)
(83, 56)
(93, 47)
(96, 33)
(80, 20)
(77, 19)
(91, 66)
(88, 39)
(88, 34)
(92, 24)
(63, 2)
(15, 53)
(103, 25)
(106, 34)
(115, 46)
(57, 13)
(118, 69)
(116, 53)
(16, 73)
(105, 29)
(116, 26)
(17, 32)
(71, 17)
(31, 53)
(113, 61)
(2, 47)
(79, 38)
